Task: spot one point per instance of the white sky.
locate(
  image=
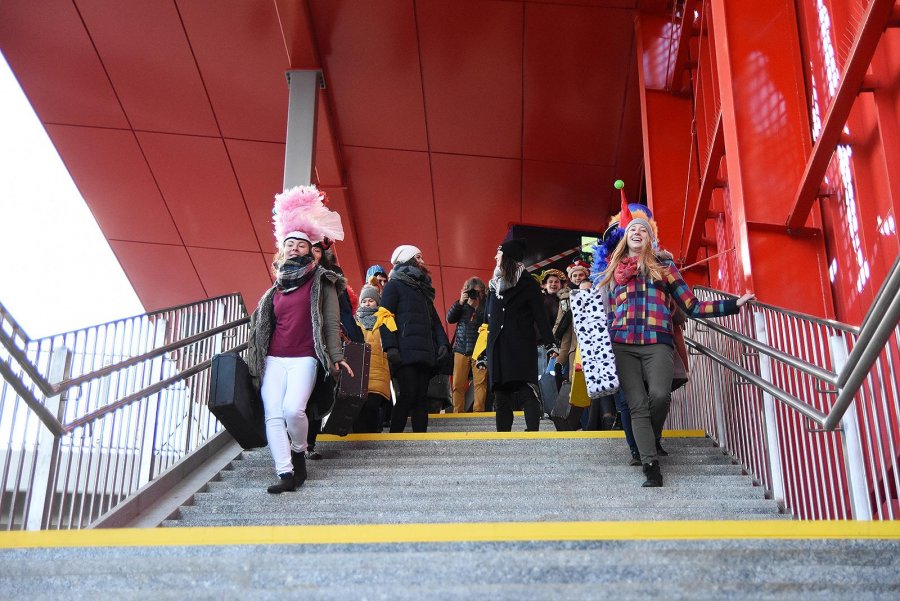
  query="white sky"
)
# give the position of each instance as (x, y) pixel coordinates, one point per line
(57, 272)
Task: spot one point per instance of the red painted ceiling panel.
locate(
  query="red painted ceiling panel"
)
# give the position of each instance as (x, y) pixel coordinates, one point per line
(476, 198)
(162, 275)
(134, 40)
(566, 196)
(48, 49)
(472, 69)
(371, 62)
(199, 186)
(392, 200)
(260, 169)
(227, 271)
(242, 60)
(573, 98)
(116, 183)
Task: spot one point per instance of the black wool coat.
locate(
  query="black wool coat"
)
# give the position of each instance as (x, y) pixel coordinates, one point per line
(420, 332)
(517, 323)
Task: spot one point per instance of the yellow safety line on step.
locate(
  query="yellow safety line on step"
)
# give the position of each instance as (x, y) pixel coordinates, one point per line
(481, 414)
(542, 435)
(453, 533)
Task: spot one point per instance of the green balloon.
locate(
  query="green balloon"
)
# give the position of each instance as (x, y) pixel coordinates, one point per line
(619, 184)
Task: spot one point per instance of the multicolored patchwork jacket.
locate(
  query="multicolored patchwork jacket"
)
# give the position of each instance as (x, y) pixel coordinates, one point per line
(639, 309)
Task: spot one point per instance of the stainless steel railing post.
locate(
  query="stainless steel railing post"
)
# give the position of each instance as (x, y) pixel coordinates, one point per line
(854, 465)
(773, 444)
(43, 485)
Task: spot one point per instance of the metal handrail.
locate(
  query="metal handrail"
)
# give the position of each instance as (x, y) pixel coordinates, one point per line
(51, 389)
(145, 392)
(837, 325)
(65, 461)
(788, 399)
(818, 423)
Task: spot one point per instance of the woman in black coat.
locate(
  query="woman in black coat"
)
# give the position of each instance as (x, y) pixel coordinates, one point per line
(515, 311)
(420, 342)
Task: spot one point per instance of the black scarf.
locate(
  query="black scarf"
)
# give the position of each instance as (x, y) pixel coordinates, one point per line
(366, 316)
(294, 272)
(414, 277)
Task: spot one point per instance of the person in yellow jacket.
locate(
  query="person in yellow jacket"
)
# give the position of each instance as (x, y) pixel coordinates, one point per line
(371, 318)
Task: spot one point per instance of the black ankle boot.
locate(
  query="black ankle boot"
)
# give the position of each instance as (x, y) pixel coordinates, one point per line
(298, 460)
(286, 483)
(659, 450)
(654, 477)
(635, 459)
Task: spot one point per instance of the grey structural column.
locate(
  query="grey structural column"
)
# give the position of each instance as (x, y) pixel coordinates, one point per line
(301, 127)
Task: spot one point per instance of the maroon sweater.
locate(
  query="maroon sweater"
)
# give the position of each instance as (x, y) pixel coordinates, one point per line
(293, 335)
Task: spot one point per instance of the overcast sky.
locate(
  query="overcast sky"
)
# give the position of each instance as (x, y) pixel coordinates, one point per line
(57, 272)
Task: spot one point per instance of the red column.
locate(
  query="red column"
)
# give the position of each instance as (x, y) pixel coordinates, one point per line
(767, 141)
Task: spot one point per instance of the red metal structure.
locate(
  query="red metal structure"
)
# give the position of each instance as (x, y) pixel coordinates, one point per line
(766, 127)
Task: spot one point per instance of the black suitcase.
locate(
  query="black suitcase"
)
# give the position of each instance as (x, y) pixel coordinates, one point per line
(235, 401)
(351, 393)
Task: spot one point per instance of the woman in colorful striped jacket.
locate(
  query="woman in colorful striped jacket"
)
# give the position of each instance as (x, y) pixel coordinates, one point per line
(641, 284)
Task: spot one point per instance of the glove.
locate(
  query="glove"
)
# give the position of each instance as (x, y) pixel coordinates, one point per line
(481, 363)
(442, 353)
(393, 355)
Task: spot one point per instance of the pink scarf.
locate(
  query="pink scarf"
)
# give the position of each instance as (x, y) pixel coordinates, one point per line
(625, 270)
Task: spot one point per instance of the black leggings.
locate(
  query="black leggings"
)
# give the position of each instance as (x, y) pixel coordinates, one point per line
(412, 398)
(517, 394)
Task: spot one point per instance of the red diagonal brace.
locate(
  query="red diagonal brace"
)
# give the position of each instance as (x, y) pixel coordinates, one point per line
(707, 184)
(872, 26)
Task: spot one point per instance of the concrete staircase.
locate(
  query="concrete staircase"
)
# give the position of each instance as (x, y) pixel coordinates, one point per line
(547, 478)
(462, 513)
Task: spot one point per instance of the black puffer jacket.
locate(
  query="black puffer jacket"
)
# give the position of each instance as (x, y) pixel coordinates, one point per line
(419, 330)
(467, 320)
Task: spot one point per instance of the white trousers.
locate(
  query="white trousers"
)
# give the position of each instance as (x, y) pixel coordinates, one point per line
(286, 388)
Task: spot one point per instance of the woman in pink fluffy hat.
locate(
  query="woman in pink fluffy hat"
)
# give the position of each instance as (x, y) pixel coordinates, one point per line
(295, 327)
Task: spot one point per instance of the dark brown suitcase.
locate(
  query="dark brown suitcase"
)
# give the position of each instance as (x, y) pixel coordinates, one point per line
(235, 401)
(351, 393)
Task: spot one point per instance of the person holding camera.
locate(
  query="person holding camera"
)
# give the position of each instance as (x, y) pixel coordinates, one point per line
(468, 314)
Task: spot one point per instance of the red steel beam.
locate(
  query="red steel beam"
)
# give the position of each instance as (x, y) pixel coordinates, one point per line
(873, 25)
(681, 53)
(708, 183)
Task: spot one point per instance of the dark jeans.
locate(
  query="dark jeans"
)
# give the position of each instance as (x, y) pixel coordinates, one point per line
(648, 402)
(369, 419)
(412, 398)
(625, 416)
(518, 394)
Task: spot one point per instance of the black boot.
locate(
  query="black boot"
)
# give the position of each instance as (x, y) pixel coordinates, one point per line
(298, 460)
(654, 477)
(286, 483)
(635, 459)
(659, 450)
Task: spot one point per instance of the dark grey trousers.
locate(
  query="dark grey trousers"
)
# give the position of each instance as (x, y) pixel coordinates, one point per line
(645, 376)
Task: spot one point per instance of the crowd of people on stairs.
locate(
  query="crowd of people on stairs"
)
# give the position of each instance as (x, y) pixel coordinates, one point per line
(295, 351)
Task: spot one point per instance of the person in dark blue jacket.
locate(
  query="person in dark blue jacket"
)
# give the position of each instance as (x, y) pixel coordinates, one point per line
(468, 315)
(517, 323)
(420, 342)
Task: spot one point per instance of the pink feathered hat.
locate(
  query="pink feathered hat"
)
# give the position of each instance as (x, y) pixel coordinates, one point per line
(300, 212)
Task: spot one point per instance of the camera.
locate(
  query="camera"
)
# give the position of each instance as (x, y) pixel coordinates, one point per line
(472, 293)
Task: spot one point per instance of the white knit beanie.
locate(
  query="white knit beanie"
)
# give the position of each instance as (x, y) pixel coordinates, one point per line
(404, 253)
